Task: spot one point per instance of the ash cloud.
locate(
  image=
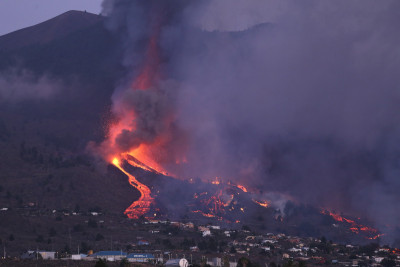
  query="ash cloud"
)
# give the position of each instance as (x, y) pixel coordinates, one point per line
(150, 108)
(294, 97)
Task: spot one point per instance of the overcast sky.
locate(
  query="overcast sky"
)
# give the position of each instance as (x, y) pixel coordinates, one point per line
(18, 14)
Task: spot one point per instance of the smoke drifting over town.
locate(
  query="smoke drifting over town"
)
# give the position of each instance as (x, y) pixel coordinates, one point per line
(296, 97)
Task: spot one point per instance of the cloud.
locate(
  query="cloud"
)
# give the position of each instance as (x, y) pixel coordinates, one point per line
(17, 86)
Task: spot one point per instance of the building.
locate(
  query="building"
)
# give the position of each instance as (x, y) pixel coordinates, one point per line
(215, 262)
(109, 255)
(32, 254)
(48, 255)
(177, 263)
(206, 233)
(78, 257)
(140, 257)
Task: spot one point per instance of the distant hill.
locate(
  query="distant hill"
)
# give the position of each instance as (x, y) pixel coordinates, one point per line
(74, 43)
(49, 30)
(77, 52)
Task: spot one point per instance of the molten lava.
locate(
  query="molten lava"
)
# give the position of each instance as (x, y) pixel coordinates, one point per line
(142, 205)
(355, 227)
(244, 189)
(263, 203)
(216, 182)
(136, 163)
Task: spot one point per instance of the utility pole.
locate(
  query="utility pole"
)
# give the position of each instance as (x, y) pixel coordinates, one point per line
(69, 234)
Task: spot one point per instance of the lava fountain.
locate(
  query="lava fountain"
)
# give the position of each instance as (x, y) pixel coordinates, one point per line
(143, 129)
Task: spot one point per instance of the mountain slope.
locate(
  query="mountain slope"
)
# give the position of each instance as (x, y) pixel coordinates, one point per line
(49, 30)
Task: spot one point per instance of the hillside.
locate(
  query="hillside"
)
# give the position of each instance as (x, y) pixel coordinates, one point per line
(68, 54)
(49, 30)
(44, 165)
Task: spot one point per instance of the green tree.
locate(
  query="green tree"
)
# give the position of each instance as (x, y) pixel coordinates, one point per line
(85, 247)
(388, 263)
(11, 237)
(225, 261)
(77, 208)
(99, 237)
(244, 262)
(124, 263)
(100, 263)
(92, 223)
(246, 228)
(39, 239)
(52, 232)
(67, 249)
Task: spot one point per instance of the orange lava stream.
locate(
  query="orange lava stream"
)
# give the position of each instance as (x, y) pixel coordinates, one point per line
(142, 205)
(264, 204)
(244, 189)
(355, 227)
(147, 154)
(375, 237)
(140, 164)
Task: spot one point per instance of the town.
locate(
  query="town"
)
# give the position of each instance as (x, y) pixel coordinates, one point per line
(183, 244)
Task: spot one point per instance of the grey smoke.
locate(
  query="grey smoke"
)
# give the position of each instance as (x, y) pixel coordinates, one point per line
(150, 107)
(298, 97)
(17, 86)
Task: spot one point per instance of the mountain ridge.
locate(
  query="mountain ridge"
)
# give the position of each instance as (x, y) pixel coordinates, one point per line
(49, 30)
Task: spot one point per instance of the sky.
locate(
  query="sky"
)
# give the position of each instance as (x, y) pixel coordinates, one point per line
(18, 14)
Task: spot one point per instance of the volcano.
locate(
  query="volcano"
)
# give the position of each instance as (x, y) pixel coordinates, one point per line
(157, 116)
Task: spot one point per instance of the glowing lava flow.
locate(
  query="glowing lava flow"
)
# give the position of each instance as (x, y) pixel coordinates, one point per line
(355, 227)
(263, 203)
(244, 189)
(137, 163)
(142, 205)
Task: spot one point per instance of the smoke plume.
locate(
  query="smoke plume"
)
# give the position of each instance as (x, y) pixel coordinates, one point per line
(297, 97)
(17, 86)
